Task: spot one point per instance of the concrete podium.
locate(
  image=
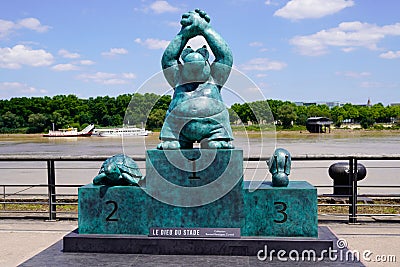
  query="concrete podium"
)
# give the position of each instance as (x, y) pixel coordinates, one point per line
(198, 189)
(267, 211)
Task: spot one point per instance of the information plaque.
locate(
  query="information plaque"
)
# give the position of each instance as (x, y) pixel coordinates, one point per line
(194, 232)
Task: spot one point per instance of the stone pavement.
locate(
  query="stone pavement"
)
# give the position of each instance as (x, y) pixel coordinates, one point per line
(38, 243)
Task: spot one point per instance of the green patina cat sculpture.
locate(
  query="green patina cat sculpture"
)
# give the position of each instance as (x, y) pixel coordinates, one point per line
(197, 112)
(279, 166)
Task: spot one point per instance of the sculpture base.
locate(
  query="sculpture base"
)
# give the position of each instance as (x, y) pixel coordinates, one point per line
(248, 246)
(200, 188)
(268, 211)
(280, 211)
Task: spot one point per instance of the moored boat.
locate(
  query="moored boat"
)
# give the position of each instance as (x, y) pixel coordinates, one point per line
(124, 131)
(71, 132)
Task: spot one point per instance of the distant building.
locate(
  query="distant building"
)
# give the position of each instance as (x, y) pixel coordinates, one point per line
(318, 124)
(330, 104)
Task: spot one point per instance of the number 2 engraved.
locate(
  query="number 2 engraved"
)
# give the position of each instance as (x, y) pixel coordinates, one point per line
(281, 208)
(109, 219)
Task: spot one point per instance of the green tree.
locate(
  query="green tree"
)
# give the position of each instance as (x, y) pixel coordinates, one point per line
(98, 110)
(155, 119)
(245, 113)
(58, 120)
(302, 115)
(352, 112)
(318, 111)
(37, 123)
(338, 114)
(233, 116)
(287, 115)
(367, 122)
(106, 120)
(262, 111)
(11, 120)
(379, 113)
(274, 106)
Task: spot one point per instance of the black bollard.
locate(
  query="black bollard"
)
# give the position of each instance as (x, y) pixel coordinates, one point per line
(339, 172)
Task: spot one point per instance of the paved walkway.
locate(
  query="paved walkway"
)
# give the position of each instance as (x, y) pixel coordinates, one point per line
(27, 242)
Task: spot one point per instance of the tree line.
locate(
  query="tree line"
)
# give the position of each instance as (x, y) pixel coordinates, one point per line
(37, 114)
(288, 113)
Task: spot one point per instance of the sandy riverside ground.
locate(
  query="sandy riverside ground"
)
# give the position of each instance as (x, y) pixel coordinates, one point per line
(335, 133)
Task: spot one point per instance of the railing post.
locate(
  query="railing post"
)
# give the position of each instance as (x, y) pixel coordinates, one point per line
(51, 183)
(4, 197)
(353, 198)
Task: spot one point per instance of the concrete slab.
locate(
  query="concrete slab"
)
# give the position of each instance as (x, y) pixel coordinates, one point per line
(38, 243)
(244, 246)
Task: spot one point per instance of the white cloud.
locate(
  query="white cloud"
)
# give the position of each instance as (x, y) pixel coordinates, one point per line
(348, 35)
(115, 51)
(159, 7)
(8, 89)
(354, 74)
(33, 24)
(66, 54)
(15, 57)
(270, 3)
(7, 27)
(262, 64)
(75, 65)
(371, 85)
(197, 42)
(256, 44)
(303, 9)
(380, 85)
(173, 24)
(86, 62)
(65, 67)
(348, 49)
(129, 75)
(152, 43)
(390, 55)
(108, 78)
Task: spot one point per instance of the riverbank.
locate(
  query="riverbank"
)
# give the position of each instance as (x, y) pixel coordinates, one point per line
(6, 140)
(335, 133)
(341, 133)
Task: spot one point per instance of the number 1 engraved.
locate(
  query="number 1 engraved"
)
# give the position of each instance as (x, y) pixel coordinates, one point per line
(194, 176)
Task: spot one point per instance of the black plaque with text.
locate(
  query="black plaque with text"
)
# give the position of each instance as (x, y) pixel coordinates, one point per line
(194, 232)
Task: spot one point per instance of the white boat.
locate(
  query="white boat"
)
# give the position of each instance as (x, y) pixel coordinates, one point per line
(119, 132)
(71, 132)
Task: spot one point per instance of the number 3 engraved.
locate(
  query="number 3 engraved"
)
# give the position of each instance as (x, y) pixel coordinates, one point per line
(109, 219)
(281, 211)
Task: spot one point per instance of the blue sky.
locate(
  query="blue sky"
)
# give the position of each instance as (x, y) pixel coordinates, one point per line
(297, 50)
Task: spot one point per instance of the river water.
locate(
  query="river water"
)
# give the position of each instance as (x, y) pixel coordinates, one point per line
(315, 172)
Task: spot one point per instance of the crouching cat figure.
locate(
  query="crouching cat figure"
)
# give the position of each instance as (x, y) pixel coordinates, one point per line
(196, 112)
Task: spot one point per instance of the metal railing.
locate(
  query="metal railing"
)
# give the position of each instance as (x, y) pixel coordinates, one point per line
(53, 199)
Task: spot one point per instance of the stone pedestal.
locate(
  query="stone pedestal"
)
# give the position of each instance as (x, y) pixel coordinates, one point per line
(112, 210)
(199, 188)
(192, 177)
(186, 188)
(280, 211)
